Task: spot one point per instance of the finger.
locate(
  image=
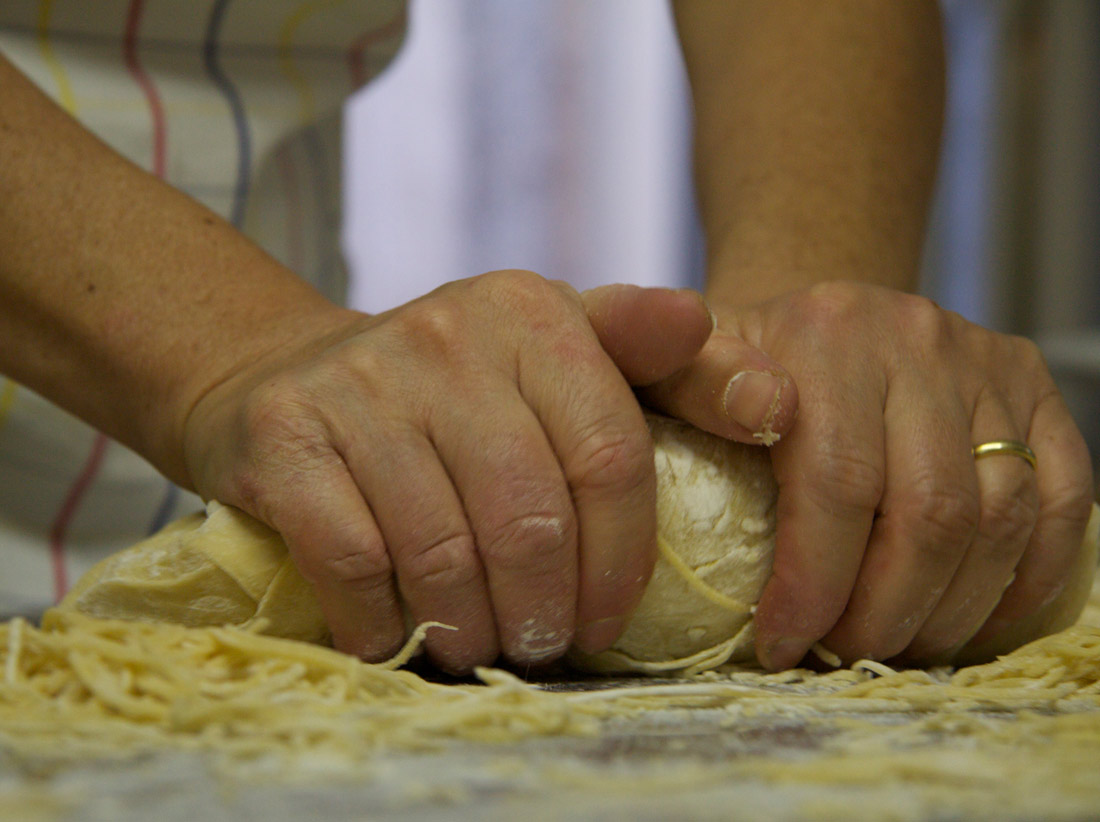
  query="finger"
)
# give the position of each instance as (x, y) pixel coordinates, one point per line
(519, 507)
(336, 545)
(927, 519)
(430, 543)
(730, 389)
(595, 427)
(830, 475)
(1064, 483)
(649, 333)
(1008, 502)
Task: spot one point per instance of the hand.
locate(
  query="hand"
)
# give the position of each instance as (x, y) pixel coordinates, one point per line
(474, 456)
(892, 539)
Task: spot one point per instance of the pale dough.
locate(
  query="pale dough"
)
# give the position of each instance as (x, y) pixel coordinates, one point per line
(218, 568)
(716, 515)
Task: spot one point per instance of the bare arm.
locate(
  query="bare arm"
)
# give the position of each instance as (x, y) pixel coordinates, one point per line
(115, 289)
(817, 132)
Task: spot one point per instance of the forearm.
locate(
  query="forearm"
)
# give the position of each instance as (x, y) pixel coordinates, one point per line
(121, 299)
(817, 130)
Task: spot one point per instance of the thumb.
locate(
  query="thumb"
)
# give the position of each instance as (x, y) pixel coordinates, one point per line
(650, 333)
(731, 389)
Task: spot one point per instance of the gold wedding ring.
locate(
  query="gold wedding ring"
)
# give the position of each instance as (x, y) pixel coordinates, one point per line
(1013, 447)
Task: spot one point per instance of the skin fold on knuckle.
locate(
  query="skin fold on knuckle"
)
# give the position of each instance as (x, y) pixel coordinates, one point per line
(365, 568)
(612, 456)
(518, 298)
(1008, 516)
(832, 307)
(440, 565)
(436, 329)
(843, 479)
(931, 328)
(535, 544)
(944, 515)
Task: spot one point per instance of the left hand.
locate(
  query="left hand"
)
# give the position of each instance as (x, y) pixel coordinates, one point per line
(892, 539)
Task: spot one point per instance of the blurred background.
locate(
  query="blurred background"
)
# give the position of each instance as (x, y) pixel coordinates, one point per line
(554, 136)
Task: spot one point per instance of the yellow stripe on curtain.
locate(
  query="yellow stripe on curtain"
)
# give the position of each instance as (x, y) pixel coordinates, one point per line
(7, 400)
(306, 101)
(65, 94)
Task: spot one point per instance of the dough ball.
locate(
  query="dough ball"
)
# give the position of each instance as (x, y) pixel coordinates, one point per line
(716, 529)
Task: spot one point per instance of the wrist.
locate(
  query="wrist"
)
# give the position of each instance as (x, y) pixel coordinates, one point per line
(746, 270)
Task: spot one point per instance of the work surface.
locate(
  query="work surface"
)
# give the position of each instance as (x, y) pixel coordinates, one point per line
(664, 766)
(849, 745)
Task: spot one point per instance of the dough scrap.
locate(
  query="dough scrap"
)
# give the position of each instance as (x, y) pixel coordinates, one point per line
(218, 568)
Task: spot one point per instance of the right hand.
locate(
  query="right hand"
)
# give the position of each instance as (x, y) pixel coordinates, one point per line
(474, 456)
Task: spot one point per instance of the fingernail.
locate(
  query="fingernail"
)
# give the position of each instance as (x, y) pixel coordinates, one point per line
(751, 399)
(598, 635)
(784, 653)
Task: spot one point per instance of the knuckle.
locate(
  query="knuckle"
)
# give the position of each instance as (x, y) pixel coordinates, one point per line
(1069, 506)
(442, 564)
(945, 514)
(543, 306)
(436, 326)
(521, 282)
(611, 457)
(366, 566)
(921, 315)
(846, 479)
(519, 290)
(532, 543)
(1007, 513)
(1027, 353)
(830, 307)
